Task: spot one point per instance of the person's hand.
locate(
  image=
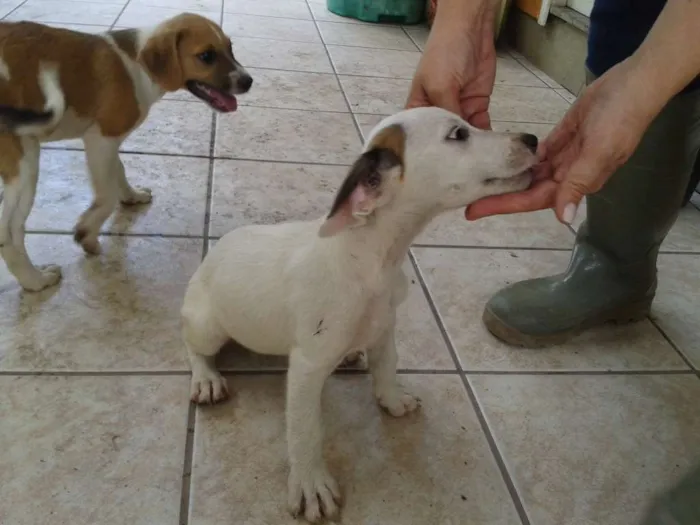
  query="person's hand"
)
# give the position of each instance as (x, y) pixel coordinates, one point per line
(458, 68)
(595, 137)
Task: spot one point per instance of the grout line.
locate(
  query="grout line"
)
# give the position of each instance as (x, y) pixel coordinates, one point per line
(118, 234)
(186, 489)
(481, 247)
(95, 373)
(358, 128)
(682, 355)
(345, 371)
(417, 245)
(195, 156)
(14, 9)
(483, 422)
(527, 66)
(405, 31)
(111, 26)
(210, 188)
(378, 48)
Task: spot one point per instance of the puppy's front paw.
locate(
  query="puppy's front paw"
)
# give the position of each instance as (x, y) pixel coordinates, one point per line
(138, 195)
(208, 388)
(397, 402)
(313, 494)
(48, 275)
(88, 240)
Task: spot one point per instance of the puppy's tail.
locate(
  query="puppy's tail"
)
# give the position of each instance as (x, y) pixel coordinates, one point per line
(13, 118)
(30, 122)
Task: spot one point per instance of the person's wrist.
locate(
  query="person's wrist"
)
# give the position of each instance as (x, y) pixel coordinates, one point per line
(645, 92)
(462, 17)
(651, 82)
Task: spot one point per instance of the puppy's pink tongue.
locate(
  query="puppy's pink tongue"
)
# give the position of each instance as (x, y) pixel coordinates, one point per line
(224, 102)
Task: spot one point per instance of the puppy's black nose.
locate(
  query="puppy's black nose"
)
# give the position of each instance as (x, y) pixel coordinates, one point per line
(530, 141)
(245, 82)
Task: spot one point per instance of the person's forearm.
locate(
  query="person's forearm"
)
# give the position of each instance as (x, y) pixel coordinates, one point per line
(669, 57)
(467, 14)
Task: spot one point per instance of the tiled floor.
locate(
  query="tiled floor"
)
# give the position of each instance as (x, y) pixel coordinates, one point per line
(95, 426)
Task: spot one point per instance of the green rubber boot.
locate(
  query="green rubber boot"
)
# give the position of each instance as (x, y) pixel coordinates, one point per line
(612, 273)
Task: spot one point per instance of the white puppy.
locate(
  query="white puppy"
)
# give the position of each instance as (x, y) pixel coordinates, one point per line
(321, 290)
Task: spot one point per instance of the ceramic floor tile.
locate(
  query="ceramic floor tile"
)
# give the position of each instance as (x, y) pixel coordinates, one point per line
(462, 281)
(92, 449)
(527, 104)
(278, 8)
(535, 70)
(419, 34)
(368, 62)
(288, 135)
(429, 467)
(377, 36)
(276, 54)
(286, 29)
(138, 15)
(685, 234)
(7, 6)
(591, 450)
(419, 343)
(510, 72)
(117, 311)
(530, 230)
(295, 90)
(368, 122)
(568, 96)
(175, 127)
(179, 186)
(376, 95)
(247, 192)
(683, 237)
(84, 28)
(65, 12)
(677, 303)
(181, 5)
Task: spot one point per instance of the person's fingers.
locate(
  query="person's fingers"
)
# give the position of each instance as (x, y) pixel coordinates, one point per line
(475, 110)
(539, 197)
(445, 98)
(416, 97)
(558, 139)
(480, 120)
(585, 176)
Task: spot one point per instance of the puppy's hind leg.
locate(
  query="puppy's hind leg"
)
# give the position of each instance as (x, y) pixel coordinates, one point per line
(20, 180)
(128, 194)
(203, 338)
(103, 162)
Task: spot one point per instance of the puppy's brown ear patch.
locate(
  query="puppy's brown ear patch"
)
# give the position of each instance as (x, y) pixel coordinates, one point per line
(161, 56)
(361, 190)
(392, 138)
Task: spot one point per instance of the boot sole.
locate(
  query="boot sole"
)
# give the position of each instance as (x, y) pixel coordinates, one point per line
(631, 313)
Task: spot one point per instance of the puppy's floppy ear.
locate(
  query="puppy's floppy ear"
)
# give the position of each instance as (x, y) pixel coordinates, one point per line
(161, 56)
(361, 191)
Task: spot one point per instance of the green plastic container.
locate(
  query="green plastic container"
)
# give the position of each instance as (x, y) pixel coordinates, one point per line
(404, 12)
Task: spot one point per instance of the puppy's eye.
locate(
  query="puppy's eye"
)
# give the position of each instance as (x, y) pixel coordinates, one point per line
(458, 133)
(373, 180)
(208, 56)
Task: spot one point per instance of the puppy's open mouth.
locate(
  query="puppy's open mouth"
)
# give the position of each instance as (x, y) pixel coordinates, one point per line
(525, 175)
(217, 99)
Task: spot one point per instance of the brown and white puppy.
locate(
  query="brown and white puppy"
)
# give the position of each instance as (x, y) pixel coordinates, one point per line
(57, 84)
